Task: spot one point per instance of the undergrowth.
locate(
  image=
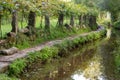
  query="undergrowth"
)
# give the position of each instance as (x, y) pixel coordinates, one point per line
(23, 41)
(116, 53)
(6, 77)
(59, 49)
(19, 65)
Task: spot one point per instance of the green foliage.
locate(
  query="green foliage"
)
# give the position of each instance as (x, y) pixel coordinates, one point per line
(6, 77)
(22, 41)
(91, 36)
(117, 24)
(114, 7)
(23, 45)
(81, 39)
(117, 60)
(116, 53)
(17, 67)
(63, 46)
(32, 57)
(48, 52)
(76, 41)
(70, 44)
(90, 3)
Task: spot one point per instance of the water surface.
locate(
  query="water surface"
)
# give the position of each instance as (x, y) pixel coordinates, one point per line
(93, 61)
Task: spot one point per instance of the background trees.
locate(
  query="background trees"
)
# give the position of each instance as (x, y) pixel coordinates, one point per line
(114, 7)
(27, 11)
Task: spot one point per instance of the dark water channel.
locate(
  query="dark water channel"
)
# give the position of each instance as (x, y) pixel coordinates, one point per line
(94, 61)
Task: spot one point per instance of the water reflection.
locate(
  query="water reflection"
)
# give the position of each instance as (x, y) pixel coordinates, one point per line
(78, 77)
(92, 72)
(83, 64)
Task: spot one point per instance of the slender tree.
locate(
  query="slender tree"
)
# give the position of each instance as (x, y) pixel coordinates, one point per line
(72, 20)
(31, 21)
(47, 24)
(60, 19)
(14, 22)
(0, 26)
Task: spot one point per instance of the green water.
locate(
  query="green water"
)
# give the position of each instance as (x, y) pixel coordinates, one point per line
(93, 61)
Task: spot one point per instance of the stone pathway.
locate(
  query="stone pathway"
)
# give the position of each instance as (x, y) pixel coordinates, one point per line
(6, 60)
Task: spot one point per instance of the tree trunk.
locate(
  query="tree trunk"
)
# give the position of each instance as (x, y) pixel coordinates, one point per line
(72, 20)
(87, 20)
(79, 17)
(14, 22)
(84, 19)
(0, 26)
(81, 20)
(47, 24)
(31, 21)
(92, 22)
(41, 21)
(22, 17)
(60, 19)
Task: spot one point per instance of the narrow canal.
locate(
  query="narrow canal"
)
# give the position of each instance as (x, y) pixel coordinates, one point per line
(93, 61)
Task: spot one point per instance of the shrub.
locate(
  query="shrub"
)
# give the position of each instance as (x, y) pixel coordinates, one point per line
(76, 41)
(32, 57)
(48, 52)
(117, 60)
(70, 44)
(17, 66)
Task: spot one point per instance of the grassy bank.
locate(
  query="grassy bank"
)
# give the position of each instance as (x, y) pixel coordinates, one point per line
(58, 50)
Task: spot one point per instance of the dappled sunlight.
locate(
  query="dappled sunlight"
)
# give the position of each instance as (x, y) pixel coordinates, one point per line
(92, 72)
